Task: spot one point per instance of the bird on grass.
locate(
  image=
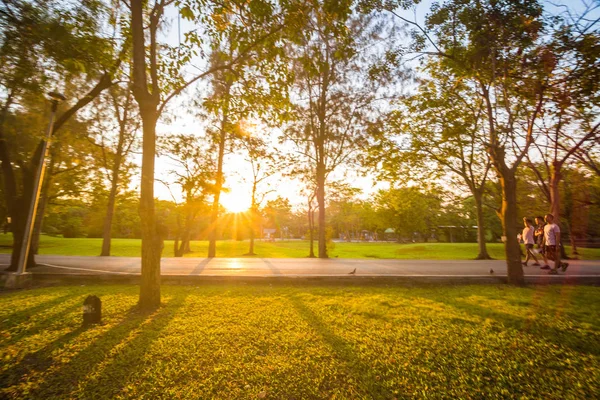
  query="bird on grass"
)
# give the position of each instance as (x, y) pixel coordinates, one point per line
(353, 272)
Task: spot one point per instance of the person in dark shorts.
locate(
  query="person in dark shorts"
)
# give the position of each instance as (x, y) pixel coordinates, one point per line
(552, 242)
(529, 241)
(539, 240)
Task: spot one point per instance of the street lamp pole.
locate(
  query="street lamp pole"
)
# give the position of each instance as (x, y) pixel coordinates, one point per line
(55, 99)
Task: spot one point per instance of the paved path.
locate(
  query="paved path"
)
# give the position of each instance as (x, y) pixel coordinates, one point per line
(294, 267)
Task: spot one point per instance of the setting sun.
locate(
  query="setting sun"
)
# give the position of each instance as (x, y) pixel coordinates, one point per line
(235, 201)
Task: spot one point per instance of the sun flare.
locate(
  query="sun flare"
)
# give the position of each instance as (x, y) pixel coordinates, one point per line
(235, 201)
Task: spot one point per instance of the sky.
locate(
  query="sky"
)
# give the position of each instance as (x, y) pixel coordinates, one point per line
(236, 197)
(238, 183)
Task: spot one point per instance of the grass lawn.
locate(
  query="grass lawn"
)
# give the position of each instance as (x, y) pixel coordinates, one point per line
(286, 249)
(303, 341)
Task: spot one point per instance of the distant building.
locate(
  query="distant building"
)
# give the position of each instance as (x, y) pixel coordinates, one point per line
(390, 234)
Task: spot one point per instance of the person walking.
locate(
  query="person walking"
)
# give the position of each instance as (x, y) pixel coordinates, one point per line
(529, 241)
(539, 240)
(552, 242)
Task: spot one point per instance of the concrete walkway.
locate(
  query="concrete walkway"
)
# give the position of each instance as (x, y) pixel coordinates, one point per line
(301, 267)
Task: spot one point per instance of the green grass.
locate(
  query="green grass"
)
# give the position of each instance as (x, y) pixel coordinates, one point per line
(286, 249)
(282, 341)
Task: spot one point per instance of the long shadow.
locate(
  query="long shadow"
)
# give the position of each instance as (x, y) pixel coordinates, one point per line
(200, 267)
(271, 266)
(572, 339)
(343, 351)
(82, 363)
(16, 317)
(38, 361)
(118, 371)
(41, 324)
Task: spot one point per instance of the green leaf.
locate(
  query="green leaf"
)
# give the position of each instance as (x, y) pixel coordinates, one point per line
(187, 13)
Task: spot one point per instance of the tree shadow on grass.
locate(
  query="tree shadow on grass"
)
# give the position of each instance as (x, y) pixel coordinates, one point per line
(41, 324)
(117, 372)
(59, 380)
(573, 339)
(37, 361)
(17, 317)
(343, 351)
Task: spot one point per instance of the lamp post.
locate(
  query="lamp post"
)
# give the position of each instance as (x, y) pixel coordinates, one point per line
(18, 278)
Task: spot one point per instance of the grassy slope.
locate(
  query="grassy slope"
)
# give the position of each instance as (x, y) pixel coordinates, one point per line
(304, 341)
(291, 249)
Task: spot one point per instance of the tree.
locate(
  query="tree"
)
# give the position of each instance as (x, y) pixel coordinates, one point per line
(118, 107)
(310, 194)
(409, 210)
(193, 172)
(40, 42)
(438, 129)
(499, 50)
(227, 115)
(253, 88)
(570, 126)
(157, 78)
(262, 163)
(336, 95)
(345, 210)
(277, 212)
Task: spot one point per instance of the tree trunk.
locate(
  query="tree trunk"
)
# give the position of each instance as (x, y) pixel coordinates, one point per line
(148, 105)
(15, 204)
(574, 245)
(251, 248)
(253, 215)
(212, 238)
(110, 211)
(18, 221)
(555, 177)
(110, 207)
(483, 253)
(151, 240)
(311, 223)
(185, 238)
(214, 217)
(176, 244)
(20, 213)
(321, 206)
(509, 219)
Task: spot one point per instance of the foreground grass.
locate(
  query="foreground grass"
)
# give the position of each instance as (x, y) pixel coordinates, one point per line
(304, 342)
(286, 249)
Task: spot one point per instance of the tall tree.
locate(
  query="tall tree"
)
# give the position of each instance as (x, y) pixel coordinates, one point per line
(278, 213)
(438, 128)
(262, 164)
(499, 49)
(41, 42)
(157, 78)
(113, 153)
(570, 126)
(222, 106)
(192, 170)
(335, 94)
(409, 210)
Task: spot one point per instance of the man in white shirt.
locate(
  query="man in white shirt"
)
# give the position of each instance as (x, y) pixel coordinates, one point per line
(529, 241)
(552, 241)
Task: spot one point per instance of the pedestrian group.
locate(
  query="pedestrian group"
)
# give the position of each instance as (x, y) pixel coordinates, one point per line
(546, 235)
